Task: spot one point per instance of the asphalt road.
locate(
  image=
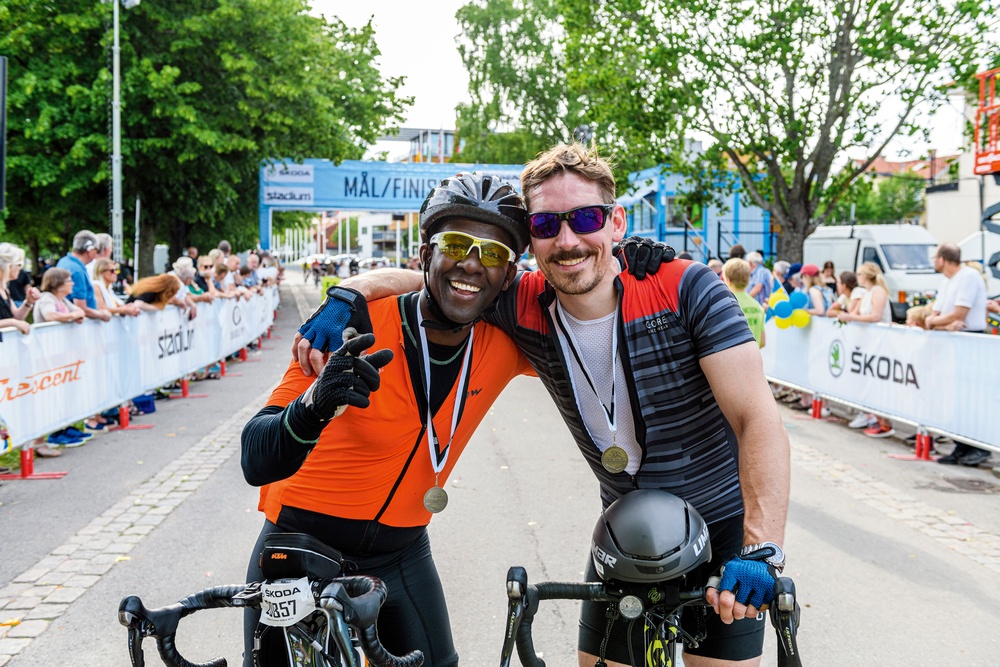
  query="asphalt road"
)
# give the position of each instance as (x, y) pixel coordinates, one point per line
(896, 563)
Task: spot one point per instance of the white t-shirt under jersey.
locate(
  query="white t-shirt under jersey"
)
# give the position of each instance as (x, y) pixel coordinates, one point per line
(593, 341)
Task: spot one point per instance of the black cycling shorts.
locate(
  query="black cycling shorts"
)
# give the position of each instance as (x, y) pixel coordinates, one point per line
(414, 615)
(740, 640)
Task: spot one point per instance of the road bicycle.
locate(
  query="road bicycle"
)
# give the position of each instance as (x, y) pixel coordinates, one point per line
(324, 619)
(646, 548)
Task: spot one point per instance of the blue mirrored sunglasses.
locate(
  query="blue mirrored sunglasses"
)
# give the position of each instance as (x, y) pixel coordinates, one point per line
(583, 220)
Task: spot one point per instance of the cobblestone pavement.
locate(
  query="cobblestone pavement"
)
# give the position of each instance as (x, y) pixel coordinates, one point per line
(43, 593)
(943, 526)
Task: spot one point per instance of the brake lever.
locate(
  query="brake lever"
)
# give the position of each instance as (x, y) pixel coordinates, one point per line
(785, 617)
(135, 647)
(517, 589)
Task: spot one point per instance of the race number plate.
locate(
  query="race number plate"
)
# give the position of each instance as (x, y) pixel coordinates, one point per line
(286, 602)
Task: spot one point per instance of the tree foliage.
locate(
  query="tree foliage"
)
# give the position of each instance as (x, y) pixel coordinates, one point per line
(210, 89)
(784, 88)
(881, 200)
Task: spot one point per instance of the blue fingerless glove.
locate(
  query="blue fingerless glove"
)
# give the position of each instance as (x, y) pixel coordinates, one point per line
(751, 581)
(344, 308)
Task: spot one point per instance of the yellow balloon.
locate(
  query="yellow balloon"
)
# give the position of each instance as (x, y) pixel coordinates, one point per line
(783, 322)
(777, 297)
(800, 318)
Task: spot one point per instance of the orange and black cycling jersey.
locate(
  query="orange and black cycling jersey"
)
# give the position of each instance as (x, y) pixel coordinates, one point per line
(374, 463)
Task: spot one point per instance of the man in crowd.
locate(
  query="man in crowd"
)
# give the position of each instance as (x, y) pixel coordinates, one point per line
(960, 306)
(761, 282)
(83, 252)
(104, 248)
(677, 340)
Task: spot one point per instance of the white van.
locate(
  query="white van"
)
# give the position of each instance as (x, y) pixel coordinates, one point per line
(904, 252)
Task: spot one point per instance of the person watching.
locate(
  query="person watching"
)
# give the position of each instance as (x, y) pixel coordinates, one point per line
(84, 251)
(736, 275)
(849, 295)
(14, 314)
(54, 305)
(820, 297)
(874, 306)
(761, 282)
(155, 292)
(731, 462)
(960, 304)
(107, 275)
(105, 246)
(19, 280)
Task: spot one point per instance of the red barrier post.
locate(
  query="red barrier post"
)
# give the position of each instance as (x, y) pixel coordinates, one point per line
(222, 368)
(243, 354)
(817, 407)
(186, 393)
(123, 422)
(28, 468)
(922, 450)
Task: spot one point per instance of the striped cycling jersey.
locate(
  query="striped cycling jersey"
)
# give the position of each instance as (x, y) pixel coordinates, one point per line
(668, 322)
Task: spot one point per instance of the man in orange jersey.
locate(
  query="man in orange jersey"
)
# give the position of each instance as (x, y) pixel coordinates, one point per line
(364, 475)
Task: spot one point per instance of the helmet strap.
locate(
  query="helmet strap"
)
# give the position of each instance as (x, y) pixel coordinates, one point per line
(441, 322)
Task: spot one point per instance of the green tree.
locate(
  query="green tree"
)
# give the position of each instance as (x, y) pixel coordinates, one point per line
(210, 90)
(784, 88)
(882, 200)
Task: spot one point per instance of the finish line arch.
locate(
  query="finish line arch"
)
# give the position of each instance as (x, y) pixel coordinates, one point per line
(355, 185)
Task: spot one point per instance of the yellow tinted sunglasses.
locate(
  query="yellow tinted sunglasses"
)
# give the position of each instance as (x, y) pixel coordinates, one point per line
(458, 245)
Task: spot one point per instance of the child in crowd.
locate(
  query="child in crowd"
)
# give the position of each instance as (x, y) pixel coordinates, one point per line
(736, 275)
(917, 316)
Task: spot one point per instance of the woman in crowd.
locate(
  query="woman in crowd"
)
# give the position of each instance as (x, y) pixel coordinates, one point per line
(19, 279)
(52, 305)
(11, 314)
(107, 275)
(875, 302)
(155, 292)
(849, 295)
(874, 308)
(185, 272)
(820, 296)
(829, 275)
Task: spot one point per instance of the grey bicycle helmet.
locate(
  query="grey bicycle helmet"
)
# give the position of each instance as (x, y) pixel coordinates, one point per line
(649, 536)
(476, 196)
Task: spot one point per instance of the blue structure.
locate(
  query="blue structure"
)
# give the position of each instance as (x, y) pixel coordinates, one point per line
(652, 204)
(355, 185)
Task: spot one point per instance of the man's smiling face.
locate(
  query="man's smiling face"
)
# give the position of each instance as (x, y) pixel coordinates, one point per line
(464, 288)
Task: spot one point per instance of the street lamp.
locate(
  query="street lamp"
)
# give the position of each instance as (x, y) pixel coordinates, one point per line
(116, 139)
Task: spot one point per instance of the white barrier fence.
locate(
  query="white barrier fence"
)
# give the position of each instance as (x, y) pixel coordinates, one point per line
(62, 373)
(947, 382)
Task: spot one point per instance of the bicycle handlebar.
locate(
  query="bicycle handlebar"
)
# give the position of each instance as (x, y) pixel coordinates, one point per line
(357, 599)
(524, 599)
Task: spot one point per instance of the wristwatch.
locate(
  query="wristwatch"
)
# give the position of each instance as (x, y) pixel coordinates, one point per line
(769, 552)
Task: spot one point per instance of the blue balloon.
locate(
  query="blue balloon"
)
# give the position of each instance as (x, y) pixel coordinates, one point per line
(783, 309)
(798, 300)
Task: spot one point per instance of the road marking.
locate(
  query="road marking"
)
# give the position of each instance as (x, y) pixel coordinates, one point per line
(944, 527)
(45, 591)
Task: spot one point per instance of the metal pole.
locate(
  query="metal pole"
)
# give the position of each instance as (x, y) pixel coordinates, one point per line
(135, 255)
(116, 145)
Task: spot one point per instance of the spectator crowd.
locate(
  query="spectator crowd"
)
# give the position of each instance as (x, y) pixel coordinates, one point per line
(86, 284)
(961, 304)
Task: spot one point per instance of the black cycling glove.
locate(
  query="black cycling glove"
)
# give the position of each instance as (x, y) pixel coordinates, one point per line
(344, 309)
(643, 255)
(348, 378)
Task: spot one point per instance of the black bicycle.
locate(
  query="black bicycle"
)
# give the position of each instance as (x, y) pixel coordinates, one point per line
(646, 548)
(323, 619)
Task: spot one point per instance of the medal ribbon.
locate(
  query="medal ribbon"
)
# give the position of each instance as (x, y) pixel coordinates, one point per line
(609, 414)
(440, 459)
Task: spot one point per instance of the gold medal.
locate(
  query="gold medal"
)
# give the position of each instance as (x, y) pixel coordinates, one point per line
(614, 459)
(436, 499)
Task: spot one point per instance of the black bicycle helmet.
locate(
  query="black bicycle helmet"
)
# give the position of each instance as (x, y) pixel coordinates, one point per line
(649, 536)
(476, 196)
